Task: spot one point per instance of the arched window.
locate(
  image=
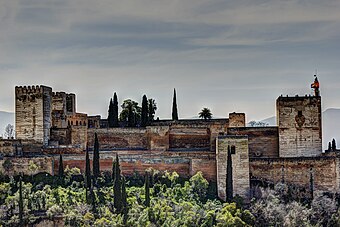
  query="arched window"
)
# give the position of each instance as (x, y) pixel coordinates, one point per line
(76, 123)
(69, 123)
(80, 123)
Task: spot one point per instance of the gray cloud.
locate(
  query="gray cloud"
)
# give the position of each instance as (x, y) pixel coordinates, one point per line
(227, 55)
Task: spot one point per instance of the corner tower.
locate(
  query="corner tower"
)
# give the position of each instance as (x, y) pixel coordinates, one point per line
(33, 113)
(300, 126)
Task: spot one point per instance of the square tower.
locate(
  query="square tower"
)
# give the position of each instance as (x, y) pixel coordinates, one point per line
(33, 108)
(300, 127)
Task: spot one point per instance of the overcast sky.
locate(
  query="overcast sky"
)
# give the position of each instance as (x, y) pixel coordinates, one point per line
(225, 55)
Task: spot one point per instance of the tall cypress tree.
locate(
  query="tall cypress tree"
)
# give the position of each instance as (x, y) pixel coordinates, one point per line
(115, 110)
(110, 117)
(174, 107)
(96, 165)
(113, 171)
(144, 116)
(117, 188)
(61, 167)
(21, 203)
(87, 170)
(147, 189)
(124, 201)
(229, 176)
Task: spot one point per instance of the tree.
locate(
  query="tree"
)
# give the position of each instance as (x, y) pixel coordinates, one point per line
(333, 145)
(96, 165)
(113, 170)
(87, 170)
(151, 110)
(21, 203)
(110, 117)
(131, 112)
(9, 131)
(32, 167)
(174, 107)
(147, 189)
(61, 167)
(329, 146)
(124, 200)
(7, 165)
(117, 188)
(115, 110)
(229, 176)
(205, 113)
(144, 116)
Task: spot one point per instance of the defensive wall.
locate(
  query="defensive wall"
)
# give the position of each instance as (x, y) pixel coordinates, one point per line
(17, 165)
(323, 171)
(186, 164)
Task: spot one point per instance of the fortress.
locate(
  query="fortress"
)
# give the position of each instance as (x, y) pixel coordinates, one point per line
(224, 150)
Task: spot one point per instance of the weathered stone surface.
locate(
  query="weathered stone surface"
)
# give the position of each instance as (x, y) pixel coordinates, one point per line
(263, 141)
(10, 147)
(33, 108)
(300, 130)
(20, 165)
(237, 120)
(240, 165)
(297, 171)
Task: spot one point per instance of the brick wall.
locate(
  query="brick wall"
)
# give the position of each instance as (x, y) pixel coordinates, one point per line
(21, 165)
(297, 171)
(263, 141)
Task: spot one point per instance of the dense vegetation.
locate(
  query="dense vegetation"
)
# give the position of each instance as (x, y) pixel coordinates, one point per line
(161, 201)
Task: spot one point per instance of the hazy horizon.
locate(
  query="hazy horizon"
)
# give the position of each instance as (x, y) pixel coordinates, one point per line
(225, 55)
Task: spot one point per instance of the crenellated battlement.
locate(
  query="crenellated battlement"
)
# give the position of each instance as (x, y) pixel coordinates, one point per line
(27, 90)
(59, 94)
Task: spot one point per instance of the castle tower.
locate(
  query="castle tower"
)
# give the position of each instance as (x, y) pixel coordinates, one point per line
(300, 127)
(33, 113)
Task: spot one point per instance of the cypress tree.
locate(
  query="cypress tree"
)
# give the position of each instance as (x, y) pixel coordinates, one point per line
(93, 201)
(21, 203)
(61, 167)
(124, 200)
(333, 145)
(110, 117)
(113, 171)
(174, 107)
(147, 190)
(117, 188)
(87, 170)
(329, 146)
(115, 111)
(144, 116)
(96, 165)
(229, 176)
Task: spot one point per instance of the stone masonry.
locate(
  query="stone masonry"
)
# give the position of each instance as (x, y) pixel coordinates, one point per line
(240, 165)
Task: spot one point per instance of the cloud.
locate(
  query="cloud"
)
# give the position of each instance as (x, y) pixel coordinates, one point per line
(233, 55)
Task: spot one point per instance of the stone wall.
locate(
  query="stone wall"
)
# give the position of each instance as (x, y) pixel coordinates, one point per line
(132, 162)
(263, 141)
(79, 136)
(298, 171)
(240, 166)
(299, 122)
(15, 166)
(158, 137)
(237, 120)
(60, 136)
(119, 138)
(33, 113)
(10, 147)
(189, 138)
(59, 110)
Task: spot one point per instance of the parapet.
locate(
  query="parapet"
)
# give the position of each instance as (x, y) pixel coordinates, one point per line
(38, 89)
(59, 94)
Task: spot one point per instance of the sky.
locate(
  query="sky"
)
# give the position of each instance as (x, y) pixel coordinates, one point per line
(228, 56)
